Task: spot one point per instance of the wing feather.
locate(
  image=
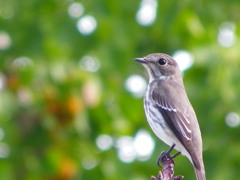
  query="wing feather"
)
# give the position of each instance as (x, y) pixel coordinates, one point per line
(171, 101)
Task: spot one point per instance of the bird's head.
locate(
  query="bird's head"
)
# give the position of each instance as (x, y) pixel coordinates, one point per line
(159, 65)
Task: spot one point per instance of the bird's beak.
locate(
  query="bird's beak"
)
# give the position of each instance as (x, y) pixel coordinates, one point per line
(141, 60)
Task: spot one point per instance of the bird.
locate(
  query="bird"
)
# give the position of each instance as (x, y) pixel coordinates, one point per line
(169, 111)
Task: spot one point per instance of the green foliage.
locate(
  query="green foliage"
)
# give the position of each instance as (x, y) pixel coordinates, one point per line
(52, 110)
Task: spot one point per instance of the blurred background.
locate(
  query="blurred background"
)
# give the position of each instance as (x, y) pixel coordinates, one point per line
(71, 95)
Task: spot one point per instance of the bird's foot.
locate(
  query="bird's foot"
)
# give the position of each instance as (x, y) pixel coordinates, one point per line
(168, 164)
(166, 157)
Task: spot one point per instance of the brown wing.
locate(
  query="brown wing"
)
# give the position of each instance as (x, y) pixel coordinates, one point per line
(172, 102)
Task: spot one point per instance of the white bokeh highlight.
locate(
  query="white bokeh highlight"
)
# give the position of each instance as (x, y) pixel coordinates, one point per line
(25, 96)
(144, 145)
(140, 147)
(146, 15)
(136, 85)
(89, 163)
(104, 142)
(90, 64)
(232, 119)
(22, 62)
(86, 25)
(227, 35)
(184, 59)
(126, 151)
(5, 40)
(2, 81)
(75, 10)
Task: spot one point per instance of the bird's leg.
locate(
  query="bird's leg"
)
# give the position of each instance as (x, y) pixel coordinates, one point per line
(175, 155)
(165, 156)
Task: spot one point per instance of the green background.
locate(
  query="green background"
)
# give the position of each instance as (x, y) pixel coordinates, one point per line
(49, 123)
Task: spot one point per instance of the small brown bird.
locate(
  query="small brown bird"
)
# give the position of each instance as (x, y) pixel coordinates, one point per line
(168, 110)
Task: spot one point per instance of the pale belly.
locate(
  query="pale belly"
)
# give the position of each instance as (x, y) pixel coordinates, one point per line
(161, 130)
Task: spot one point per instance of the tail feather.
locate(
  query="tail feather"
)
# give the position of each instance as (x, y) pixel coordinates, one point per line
(200, 174)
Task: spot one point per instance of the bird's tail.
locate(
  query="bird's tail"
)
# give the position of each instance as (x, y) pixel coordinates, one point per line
(200, 174)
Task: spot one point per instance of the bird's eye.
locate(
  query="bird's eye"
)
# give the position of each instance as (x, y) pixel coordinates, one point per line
(162, 61)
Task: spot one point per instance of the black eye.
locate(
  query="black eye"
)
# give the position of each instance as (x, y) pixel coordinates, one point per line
(162, 61)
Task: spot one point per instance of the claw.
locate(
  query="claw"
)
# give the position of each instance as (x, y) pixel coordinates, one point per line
(166, 155)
